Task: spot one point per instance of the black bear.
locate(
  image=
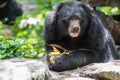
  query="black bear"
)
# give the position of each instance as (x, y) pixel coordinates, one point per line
(9, 10)
(74, 27)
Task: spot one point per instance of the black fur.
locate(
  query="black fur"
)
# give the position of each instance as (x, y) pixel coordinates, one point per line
(10, 11)
(93, 36)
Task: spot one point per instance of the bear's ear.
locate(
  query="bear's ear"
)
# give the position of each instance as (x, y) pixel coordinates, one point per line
(87, 8)
(51, 19)
(58, 7)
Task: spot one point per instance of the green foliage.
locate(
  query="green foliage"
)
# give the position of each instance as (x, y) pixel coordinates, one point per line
(27, 41)
(47, 5)
(50, 3)
(30, 30)
(10, 48)
(19, 47)
(109, 10)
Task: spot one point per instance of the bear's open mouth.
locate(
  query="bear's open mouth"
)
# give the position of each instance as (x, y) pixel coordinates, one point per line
(74, 32)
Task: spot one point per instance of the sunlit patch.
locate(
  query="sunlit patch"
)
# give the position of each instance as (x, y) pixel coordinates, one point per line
(29, 22)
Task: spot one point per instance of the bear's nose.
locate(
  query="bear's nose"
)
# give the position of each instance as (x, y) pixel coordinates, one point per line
(75, 29)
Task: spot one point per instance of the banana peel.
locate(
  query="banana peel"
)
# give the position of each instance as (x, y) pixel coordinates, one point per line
(78, 68)
(55, 53)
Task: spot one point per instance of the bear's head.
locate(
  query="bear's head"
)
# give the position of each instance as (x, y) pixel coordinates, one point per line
(72, 19)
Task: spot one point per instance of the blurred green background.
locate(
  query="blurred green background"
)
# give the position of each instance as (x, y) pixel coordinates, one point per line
(24, 38)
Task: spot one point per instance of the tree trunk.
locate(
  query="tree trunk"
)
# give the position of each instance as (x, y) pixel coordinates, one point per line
(103, 2)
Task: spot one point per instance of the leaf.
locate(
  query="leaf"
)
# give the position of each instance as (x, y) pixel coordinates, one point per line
(114, 10)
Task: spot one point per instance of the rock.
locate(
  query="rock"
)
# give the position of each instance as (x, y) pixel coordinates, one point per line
(102, 71)
(94, 71)
(7, 32)
(29, 6)
(68, 75)
(27, 69)
(23, 69)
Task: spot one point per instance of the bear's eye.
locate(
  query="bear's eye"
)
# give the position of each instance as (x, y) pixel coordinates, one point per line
(81, 20)
(65, 20)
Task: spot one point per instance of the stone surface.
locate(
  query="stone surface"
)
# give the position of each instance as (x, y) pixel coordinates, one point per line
(23, 69)
(107, 71)
(28, 69)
